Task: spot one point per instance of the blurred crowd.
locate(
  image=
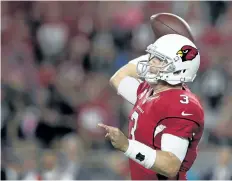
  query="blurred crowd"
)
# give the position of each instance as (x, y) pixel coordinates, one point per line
(57, 58)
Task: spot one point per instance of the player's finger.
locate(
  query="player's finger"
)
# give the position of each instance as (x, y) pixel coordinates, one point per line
(107, 135)
(103, 126)
(107, 128)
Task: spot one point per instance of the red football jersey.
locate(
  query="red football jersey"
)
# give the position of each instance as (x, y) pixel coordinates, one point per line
(174, 111)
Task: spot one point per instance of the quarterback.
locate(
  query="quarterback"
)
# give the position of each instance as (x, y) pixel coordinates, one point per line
(167, 120)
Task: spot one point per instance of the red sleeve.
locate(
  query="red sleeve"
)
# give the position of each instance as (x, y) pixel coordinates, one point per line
(183, 115)
(180, 127)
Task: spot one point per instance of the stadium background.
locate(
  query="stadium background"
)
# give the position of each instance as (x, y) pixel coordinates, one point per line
(56, 60)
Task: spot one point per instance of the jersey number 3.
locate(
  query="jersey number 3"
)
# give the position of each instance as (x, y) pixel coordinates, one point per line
(185, 99)
(134, 117)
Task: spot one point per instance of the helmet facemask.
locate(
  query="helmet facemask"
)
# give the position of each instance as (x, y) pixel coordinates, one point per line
(145, 69)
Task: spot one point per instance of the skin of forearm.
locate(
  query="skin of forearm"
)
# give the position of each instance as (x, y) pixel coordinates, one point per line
(166, 164)
(127, 70)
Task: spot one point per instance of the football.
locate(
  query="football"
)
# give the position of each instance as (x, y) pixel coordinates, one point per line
(167, 23)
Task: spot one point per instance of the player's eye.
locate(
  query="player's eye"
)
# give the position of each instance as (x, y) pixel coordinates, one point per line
(151, 57)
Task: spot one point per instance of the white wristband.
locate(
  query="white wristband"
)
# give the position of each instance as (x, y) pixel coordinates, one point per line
(127, 88)
(141, 154)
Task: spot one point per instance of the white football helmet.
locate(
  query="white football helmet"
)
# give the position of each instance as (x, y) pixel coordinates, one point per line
(181, 60)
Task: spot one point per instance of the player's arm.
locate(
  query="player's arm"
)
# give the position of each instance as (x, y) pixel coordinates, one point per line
(166, 163)
(174, 146)
(126, 81)
(128, 70)
(169, 159)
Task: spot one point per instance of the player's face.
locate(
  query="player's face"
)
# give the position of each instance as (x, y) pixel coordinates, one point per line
(155, 65)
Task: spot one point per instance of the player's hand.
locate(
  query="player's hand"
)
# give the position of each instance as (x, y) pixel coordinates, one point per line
(117, 138)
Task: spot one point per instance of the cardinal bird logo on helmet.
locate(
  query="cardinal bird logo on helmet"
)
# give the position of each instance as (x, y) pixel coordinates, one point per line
(187, 53)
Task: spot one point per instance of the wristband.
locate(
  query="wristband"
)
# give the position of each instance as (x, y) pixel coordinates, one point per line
(141, 153)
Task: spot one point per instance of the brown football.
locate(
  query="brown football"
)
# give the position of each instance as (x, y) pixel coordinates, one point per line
(167, 23)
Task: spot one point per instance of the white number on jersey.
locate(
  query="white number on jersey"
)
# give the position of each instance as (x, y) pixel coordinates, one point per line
(134, 117)
(185, 99)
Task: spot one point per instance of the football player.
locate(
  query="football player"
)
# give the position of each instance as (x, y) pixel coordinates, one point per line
(167, 119)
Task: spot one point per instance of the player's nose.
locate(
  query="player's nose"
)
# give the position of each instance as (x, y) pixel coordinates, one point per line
(155, 62)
